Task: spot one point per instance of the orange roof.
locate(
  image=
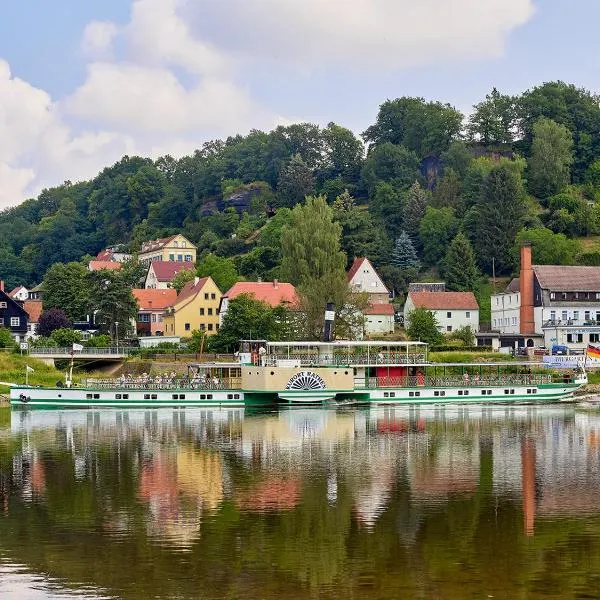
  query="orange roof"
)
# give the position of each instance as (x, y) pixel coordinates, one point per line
(105, 255)
(356, 265)
(98, 265)
(34, 309)
(191, 288)
(444, 300)
(271, 292)
(379, 309)
(154, 299)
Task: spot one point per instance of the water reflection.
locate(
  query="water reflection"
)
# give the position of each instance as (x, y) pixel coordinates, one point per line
(415, 502)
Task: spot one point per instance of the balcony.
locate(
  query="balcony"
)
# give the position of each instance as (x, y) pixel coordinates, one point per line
(556, 323)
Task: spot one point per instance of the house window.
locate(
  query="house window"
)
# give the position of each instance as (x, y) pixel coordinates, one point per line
(172, 257)
(188, 258)
(576, 315)
(1, 320)
(183, 244)
(552, 296)
(206, 296)
(449, 315)
(202, 326)
(580, 338)
(180, 258)
(586, 315)
(597, 295)
(213, 296)
(565, 315)
(553, 315)
(210, 326)
(449, 328)
(210, 311)
(569, 338)
(187, 326)
(153, 318)
(2, 304)
(594, 337)
(564, 295)
(201, 312)
(468, 314)
(15, 321)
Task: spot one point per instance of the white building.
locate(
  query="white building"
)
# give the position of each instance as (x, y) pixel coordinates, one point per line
(362, 277)
(563, 305)
(20, 293)
(452, 310)
(379, 319)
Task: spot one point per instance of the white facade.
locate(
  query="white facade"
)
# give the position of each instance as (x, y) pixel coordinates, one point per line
(448, 319)
(379, 324)
(21, 295)
(152, 282)
(366, 279)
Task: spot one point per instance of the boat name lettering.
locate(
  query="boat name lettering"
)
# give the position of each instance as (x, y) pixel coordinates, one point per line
(306, 380)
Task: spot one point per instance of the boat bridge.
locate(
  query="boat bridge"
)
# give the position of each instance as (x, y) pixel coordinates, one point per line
(49, 355)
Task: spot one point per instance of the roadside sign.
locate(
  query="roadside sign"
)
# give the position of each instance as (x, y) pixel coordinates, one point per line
(24, 345)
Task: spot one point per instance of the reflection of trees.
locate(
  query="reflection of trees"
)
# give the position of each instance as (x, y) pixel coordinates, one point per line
(267, 528)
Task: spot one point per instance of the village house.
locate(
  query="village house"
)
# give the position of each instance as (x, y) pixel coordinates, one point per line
(20, 293)
(113, 254)
(161, 274)
(34, 309)
(362, 277)
(37, 292)
(152, 306)
(272, 293)
(452, 310)
(175, 248)
(379, 319)
(196, 308)
(12, 315)
(548, 305)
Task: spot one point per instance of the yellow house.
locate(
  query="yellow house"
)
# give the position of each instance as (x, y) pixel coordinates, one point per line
(196, 309)
(176, 248)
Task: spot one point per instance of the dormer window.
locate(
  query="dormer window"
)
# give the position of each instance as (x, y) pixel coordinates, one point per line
(552, 296)
(597, 295)
(564, 296)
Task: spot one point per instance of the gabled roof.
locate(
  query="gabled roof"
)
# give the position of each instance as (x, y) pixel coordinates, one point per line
(109, 265)
(37, 288)
(513, 286)
(356, 265)
(379, 309)
(166, 270)
(444, 300)
(271, 292)
(18, 289)
(568, 279)
(154, 299)
(191, 289)
(34, 309)
(106, 255)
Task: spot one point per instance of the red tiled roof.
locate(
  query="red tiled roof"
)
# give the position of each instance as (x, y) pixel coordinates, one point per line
(98, 265)
(166, 270)
(105, 255)
(154, 299)
(34, 309)
(17, 290)
(356, 265)
(191, 288)
(271, 292)
(444, 300)
(379, 309)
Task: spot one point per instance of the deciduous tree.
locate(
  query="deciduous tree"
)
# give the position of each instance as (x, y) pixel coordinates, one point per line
(423, 326)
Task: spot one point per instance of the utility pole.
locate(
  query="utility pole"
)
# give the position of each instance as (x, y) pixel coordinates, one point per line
(493, 275)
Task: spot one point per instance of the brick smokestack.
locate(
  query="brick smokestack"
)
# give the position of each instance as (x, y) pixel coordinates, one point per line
(526, 289)
(1, 285)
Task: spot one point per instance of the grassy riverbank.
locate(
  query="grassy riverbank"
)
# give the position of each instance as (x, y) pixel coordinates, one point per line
(469, 357)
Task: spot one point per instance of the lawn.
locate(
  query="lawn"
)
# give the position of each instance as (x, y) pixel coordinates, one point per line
(468, 357)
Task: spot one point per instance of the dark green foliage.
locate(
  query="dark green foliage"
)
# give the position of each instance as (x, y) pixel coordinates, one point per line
(415, 204)
(404, 255)
(548, 248)
(423, 326)
(296, 181)
(222, 270)
(438, 227)
(6, 339)
(392, 164)
(67, 287)
(493, 121)
(501, 211)
(460, 268)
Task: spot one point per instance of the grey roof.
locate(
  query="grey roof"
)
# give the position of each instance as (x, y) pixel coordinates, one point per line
(568, 279)
(513, 286)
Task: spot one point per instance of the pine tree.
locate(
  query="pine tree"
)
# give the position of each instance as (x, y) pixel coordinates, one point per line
(416, 202)
(461, 270)
(404, 255)
(296, 181)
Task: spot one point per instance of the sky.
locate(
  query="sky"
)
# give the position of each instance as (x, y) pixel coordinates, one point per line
(83, 83)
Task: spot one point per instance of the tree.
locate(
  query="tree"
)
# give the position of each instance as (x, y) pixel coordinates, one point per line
(50, 320)
(447, 192)
(423, 127)
(6, 339)
(438, 227)
(247, 318)
(548, 248)
(344, 153)
(222, 270)
(393, 164)
(423, 326)
(415, 204)
(296, 181)
(65, 338)
(551, 158)
(500, 214)
(66, 287)
(387, 205)
(493, 121)
(463, 334)
(313, 261)
(184, 276)
(460, 267)
(404, 255)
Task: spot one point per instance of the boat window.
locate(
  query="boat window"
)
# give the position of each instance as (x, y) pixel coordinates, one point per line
(466, 393)
(175, 396)
(534, 391)
(229, 396)
(153, 396)
(417, 393)
(436, 393)
(442, 393)
(118, 396)
(182, 396)
(387, 395)
(88, 396)
(209, 396)
(96, 396)
(146, 396)
(507, 391)
(202, 396)
(125, 396)
(236, 396)
(392, 394)
(411, 394)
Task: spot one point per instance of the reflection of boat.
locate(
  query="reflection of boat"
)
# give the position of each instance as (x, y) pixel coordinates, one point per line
(315, 372)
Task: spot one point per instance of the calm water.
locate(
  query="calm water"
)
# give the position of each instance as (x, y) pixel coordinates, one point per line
(374, 504)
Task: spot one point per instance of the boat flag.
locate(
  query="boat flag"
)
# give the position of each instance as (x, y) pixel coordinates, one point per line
(29, 369)
(593, 351)
(77, 347)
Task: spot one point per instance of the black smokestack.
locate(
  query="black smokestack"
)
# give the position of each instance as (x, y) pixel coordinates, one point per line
(329, 318)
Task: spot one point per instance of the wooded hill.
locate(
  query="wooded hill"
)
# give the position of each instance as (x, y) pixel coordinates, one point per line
(525, 167)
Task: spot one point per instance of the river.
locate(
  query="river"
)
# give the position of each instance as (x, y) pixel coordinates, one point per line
(422, 502)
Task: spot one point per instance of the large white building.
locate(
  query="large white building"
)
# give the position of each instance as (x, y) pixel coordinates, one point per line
(550, 305)
(452, 310)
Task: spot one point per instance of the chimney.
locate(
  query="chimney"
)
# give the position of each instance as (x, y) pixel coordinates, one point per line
(1, 285)
(275, 283)
(526, 289)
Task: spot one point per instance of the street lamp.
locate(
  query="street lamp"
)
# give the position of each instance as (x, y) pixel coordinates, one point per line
(117, 333)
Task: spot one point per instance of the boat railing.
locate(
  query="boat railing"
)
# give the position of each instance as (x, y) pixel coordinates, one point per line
(215, 383)
(457, 382)
(343, 360)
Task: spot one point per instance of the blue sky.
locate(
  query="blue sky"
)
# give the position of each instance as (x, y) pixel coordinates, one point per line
(81, 83)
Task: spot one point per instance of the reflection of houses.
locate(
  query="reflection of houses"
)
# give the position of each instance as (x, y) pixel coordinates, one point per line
(200, 476)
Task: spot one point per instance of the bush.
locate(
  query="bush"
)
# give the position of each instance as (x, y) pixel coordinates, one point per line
(6, 339)
(460, 348)
(65, 338)
(98, 341)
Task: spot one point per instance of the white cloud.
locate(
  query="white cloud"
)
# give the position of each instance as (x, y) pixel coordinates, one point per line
(378, 34)
(98, 38)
